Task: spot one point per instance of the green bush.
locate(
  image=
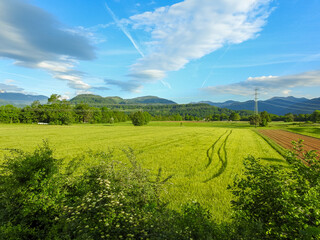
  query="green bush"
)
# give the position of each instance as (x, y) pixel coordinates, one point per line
(283, 201)
(140, 118)
(30, 194)
(113, 200)
(110, 200)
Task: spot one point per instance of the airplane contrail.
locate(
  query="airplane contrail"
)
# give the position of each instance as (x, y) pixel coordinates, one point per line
(166, 84)
(210, 73)
(123, 29)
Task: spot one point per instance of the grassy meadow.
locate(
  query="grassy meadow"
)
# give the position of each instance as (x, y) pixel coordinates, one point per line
(313, 131)
(309, 129)
(202, 158)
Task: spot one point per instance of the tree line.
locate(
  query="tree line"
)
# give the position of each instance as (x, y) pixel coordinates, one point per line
(63, 112)
(264, 117)
(59, 112)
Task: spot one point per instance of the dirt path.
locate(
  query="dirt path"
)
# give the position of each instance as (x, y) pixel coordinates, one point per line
(284, 139)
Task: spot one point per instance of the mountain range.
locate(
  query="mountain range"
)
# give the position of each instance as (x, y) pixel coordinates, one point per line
(275, 105)
(20, 99)
(98, 100)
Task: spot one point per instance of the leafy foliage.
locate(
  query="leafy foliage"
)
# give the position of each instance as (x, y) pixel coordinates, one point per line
(59, 112)
(113, 200)
(262, 119)
(254, 120)
(29, 194)
(315, 116)
(234, 116)
(109, 200)
(9, 114)
(283, 201)
(140, 118)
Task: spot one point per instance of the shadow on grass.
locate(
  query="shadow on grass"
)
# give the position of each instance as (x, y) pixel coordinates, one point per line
(233, 125)
(308, 130)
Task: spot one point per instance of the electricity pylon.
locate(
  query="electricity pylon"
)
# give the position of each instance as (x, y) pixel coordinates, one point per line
(256, 113)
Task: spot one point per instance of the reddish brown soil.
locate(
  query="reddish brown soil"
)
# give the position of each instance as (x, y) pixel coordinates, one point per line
(284, 139)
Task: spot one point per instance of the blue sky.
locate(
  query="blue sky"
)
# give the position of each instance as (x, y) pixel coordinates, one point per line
(185, 51)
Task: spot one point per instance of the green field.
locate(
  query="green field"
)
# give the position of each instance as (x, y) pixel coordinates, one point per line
(309, 129)
(203, 158)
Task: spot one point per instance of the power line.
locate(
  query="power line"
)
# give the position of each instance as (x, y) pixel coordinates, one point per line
(256, 112)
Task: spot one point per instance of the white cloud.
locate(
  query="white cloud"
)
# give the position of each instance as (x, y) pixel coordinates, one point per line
(55, 66)
(35, 39)
(74, 81)
(10, 88)
(61, 70)
(286, 92)
(65, 96)
(194, 28)
(149, 74)
(8, 81)
(269, 84)
(79, 92)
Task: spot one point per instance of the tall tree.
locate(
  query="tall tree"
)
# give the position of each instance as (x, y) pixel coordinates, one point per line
(315, 116)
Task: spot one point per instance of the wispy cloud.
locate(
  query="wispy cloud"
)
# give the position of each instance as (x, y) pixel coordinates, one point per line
(129, 86)
(149, 75)
(272, 60)
(117, 52)
(192, 29)
(10, 88)
(269, 84)
(123, 29)
(19, 75)
(101, 88)
(35, 39)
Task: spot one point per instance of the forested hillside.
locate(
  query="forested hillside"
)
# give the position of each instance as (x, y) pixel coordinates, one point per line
(275, 105)
(98, 101)
(20, 98)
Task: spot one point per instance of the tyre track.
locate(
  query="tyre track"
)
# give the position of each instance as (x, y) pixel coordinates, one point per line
(211, 149)
(222, 155)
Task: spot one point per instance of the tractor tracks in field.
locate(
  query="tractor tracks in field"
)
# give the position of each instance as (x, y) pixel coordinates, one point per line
(218, 148)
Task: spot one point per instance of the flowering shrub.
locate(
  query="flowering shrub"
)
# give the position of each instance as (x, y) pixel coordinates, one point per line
(108, 201)
(113, 200)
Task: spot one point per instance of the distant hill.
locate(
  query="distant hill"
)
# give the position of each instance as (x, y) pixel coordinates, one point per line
(149, 100)
(21, 99)
(275, 105)
(220, 105)
(3, 102)
(96, 100)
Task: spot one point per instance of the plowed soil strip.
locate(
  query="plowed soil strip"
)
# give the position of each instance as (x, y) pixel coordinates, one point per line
(284, 139)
